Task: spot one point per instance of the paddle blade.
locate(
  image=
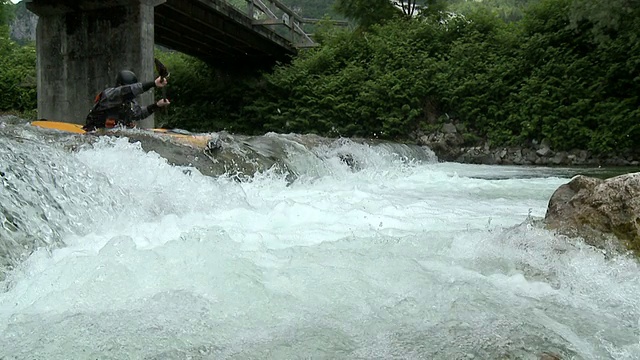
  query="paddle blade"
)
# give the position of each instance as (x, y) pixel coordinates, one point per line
(161, 69)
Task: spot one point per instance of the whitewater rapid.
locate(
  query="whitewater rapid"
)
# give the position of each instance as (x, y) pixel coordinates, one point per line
(400, 257)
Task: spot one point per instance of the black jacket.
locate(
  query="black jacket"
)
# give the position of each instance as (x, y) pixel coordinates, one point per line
(118, 106)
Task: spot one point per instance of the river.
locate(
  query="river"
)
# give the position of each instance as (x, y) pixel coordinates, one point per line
(108, 251)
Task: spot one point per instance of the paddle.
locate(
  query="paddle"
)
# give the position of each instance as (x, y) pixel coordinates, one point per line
(163, 72)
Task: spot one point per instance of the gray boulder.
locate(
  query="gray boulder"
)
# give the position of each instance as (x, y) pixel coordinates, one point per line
(598, 211)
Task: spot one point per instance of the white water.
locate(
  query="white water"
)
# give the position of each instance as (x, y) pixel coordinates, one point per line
(398, 260)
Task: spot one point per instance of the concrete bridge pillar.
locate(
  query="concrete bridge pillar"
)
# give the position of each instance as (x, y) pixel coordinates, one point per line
(83, 44)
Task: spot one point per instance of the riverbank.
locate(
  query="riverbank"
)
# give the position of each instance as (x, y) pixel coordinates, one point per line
(449, 145)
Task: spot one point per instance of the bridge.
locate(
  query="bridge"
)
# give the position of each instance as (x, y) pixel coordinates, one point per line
(82, 44)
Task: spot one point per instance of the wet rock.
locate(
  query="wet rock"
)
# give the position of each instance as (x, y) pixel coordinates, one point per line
(475, 155)
(598, 210)
(350, 161)
(445, 145)
(214, 144)
(545, 151)
(559, 158)
(549, 356)
(449, 128)
(529, 156)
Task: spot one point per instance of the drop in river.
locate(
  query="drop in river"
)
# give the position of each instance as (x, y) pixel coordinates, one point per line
(109, 251)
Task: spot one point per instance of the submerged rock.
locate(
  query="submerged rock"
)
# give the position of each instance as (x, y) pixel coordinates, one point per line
(549, 356)
(598, 211)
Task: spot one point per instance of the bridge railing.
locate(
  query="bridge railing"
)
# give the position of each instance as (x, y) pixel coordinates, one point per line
(285, 21)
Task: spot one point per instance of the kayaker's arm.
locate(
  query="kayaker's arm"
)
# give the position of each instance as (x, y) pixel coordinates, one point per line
(154, 107)
(125, 92)
(160, 82)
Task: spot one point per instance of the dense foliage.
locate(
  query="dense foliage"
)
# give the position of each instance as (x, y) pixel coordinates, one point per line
(538, 78)
(206, 99)
(366, 12)
(508, 10)
(17, 69)
(561, 70)
(6, 12)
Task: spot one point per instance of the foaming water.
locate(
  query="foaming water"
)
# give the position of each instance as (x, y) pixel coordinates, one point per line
(387, 255)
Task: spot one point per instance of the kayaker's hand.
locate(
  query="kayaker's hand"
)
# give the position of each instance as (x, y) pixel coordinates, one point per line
(163, 102)
(161, 82)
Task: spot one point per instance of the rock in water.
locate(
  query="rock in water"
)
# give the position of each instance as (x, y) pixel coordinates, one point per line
(598, 210)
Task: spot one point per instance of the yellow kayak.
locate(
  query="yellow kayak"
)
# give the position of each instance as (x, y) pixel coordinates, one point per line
(181, 136)
(62, 126)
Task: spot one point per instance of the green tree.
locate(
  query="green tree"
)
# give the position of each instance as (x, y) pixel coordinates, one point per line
(6, 12)
(366, 12)
(17, 68)
(508, 10)
(606, 17)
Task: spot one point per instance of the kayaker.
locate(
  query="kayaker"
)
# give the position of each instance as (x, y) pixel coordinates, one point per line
(118, 105)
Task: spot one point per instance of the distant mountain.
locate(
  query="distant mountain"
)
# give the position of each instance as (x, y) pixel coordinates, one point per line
(23, 27)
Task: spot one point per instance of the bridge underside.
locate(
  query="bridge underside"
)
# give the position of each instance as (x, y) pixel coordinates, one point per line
(219, 34)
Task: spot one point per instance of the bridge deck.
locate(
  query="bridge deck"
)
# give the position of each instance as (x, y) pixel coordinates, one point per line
(219, 33)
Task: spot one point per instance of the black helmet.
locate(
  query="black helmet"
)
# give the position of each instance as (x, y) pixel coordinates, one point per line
(126, 77)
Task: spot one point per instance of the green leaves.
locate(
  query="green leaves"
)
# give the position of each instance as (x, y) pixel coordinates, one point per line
(18, 84)
(361, 84)
(366, 12)
(6, 12)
